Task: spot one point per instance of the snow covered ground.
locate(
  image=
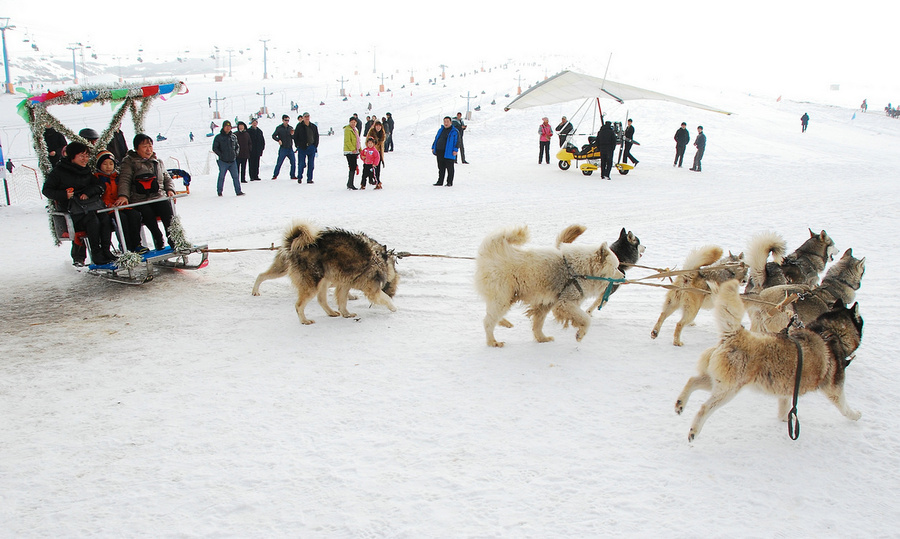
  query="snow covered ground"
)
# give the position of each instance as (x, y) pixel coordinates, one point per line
(188, 407)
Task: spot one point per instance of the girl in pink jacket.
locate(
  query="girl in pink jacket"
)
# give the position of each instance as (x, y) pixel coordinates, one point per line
(370, 157)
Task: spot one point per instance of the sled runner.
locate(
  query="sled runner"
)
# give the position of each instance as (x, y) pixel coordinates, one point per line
(133, 268)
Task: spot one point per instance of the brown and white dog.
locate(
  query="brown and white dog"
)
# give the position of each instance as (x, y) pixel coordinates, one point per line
(315, 259)
(768, 361)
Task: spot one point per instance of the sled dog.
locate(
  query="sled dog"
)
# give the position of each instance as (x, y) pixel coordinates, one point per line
(690, 298)
(768, 361)
(315, 259)
(841, 282)
(544, 278)
(627, 247)
(803, 266)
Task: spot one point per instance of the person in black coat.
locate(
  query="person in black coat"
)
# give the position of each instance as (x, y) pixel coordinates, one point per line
(606, 143)
(117, 146)
(55, 142)
(306, 137)
(388, 132)
(72, 185)
(257, 145)
(627, 143)
(682, 138)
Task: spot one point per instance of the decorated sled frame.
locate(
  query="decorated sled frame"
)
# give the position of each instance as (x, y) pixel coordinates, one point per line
(129, 268)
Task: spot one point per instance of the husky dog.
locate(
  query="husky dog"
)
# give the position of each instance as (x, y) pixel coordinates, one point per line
(315, 259)
(769, 361)
(545, 279)
(841, 282)
(628, 250)
(689, 297)
(803, 266)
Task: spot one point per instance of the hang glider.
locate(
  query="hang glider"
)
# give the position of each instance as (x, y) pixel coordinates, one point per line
(569, 86)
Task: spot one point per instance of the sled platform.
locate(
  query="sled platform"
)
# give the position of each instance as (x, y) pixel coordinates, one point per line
(146, 269)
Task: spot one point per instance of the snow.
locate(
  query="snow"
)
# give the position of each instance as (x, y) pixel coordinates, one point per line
(188, 407)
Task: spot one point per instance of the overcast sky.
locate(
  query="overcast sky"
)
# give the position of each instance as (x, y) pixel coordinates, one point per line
(766, 43)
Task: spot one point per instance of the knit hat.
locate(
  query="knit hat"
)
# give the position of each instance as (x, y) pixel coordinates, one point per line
(225, 124)
(103, 156)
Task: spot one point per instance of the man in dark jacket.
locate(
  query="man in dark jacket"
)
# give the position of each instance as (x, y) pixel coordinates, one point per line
(388, 132)
(257, 145)
(682, 138)
(226, 148)
(627, 142)
(606, 143)
(284, 135)
(564, 128)
(700, 143)
(306, 136)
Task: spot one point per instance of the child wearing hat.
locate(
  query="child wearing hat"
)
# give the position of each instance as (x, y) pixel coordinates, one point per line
(131, 219)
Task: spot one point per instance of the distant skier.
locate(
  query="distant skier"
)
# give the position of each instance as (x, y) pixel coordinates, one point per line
(192, 136)
(804, 121)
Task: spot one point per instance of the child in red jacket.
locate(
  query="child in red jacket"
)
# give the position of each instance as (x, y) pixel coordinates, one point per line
(131, 219)
(370, 158)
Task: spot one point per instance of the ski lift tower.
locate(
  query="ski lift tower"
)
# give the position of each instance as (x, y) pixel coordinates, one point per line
(216, 115)
(74, 47)
(4, 26)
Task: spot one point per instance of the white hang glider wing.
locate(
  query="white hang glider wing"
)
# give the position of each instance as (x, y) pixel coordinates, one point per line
(569, 86)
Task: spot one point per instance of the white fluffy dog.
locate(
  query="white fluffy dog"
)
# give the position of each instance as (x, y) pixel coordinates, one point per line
(545, 279)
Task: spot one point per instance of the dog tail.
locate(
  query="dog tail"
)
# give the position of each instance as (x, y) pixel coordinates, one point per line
(500, 240)
(729, 308)
(570, 234)
(758, 254)
(702, 256)
(299, 236)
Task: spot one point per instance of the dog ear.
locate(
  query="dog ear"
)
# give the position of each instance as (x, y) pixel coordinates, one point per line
(848, 253)
(622, 233)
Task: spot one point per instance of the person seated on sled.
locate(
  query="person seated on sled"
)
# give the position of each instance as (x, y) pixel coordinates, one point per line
(74, 188)
(131, 219)
(139, 181)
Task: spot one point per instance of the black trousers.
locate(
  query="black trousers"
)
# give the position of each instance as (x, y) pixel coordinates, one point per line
(679, 154)
(697, 157)
(254, 167)
(149, 214)
(445, 166)
(606, 161)
(351, 163)
(545, 149)
(242, 167)
(628, 155)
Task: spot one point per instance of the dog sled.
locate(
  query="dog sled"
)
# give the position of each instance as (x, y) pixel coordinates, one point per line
(129, 268)
(135, 268)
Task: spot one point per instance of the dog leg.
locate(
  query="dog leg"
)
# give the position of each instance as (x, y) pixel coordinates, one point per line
(322, 297)
(494, 315)
(720, 396)
(538, 316)
(380, 298)
(341, 295)
(273, 272)
(669, 307)
(505, 323)
(688, 313)
(836, 396)
(301, 307)
(784, 406)
(571, 312)
(702, 381)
